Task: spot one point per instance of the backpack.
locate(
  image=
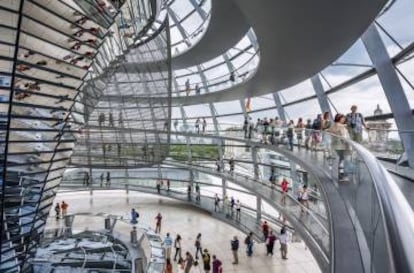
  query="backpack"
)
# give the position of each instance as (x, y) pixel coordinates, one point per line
(316, 125)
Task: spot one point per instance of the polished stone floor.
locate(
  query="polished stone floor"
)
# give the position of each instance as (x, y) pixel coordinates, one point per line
(187, 221)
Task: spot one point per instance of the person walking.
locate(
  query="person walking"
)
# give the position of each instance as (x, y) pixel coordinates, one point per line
(197, 244)
(206, 261)
(285, 189)
(57, 211)
(245, 127)
(168, 245)
(64, 207)
(217, 265)
(189, 260)
(108, 179)
(304, 197)
(283, 239)
(341, 147)
(289, 134)
(177, 245)
(265, 229)
(134, 216)
(204, 125)
(249, 244)
(299, 132)
(158, 220)
(238, 209)
(197, 126)
(356, 123)
(231, 164)
(158, 185)
(216, 202)
(234, 249)
(168, 185)
(308, 133)
(270, 243)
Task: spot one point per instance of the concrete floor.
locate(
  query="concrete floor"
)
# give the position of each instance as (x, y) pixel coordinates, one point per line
(188, 222)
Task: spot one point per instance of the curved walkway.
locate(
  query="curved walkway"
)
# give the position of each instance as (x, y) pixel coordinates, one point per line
(296, 41)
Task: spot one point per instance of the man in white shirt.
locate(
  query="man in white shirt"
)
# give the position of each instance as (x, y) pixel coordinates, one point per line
(238, 209)
(168, 244)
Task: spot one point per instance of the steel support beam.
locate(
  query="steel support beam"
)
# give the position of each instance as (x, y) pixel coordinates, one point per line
(393, 89)
(280, 109)
(320, 94)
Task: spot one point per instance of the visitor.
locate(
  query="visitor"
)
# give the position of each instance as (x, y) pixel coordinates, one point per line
(187, 87)
(245, 127)
(189, 192)
(57, 211)
(251, 128)
(176, 125)
(289, 134)
(108, 179)
(64, 208)
(226, 206)
(218, 165)
(158, 220)
(285, 189)
(134, 216)
(166, 123)
(189, 260)
(168, 266)
(198, 195)
(283, 239)
(232, 203)
(204, 125)
(316, 132)
(238, 209)
(111, 119)
(326, 138)
(102, 179)
(197, 126)
(234, 249)
(342, 148)
(231, 163)
(249, 244)
(270, 243)
(158, 186)
(265, 230)
(217, 265)
(168, 245)
(216, 202)
(232, 78)
(308, 133)
(120, 119)
(168, 185)
(206, 261)
(101, 119)
(304, 197)
(177, 246)
(356, 123)
(197, 244)
(197, 89)
(299, 132)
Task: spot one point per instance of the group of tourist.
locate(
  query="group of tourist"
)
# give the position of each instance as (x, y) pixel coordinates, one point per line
(309, 133)
(61, 210)
(270, 239)
(190, 263)
(322, 130)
